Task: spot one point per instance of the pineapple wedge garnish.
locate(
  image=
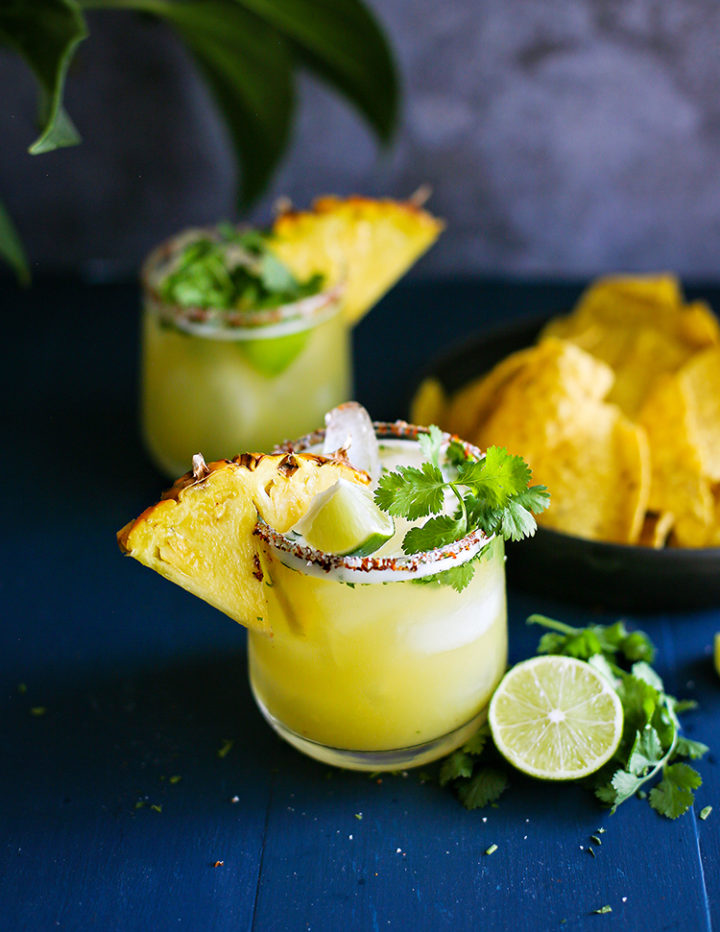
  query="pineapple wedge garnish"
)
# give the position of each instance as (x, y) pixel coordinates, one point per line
(365, 244)
(200, 535)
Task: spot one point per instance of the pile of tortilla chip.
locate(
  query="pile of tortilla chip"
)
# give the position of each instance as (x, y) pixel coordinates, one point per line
(617, 410)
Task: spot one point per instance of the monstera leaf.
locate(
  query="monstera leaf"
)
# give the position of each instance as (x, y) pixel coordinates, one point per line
(247, 51)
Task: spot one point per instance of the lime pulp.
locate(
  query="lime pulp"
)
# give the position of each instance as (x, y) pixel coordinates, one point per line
(556, 718)
(345, 520)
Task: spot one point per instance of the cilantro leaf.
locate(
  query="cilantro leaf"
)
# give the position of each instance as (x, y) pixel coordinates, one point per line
(275, 275)
(458, 577)
(651, 738)
(458, 764)
(674, 794)
(609, 640)
(411, 491)
(643, 671)
(640, 701)
(637, 646)
(498, 477)
(646, 752)
(231, 269)
(517, 522)
(692, 749)
(600, 663)
(430, 444)
(455, 453)
(477, 743)
(622, 786)
(484, 787)
(492, 493)
(535, 498)
(436, 532)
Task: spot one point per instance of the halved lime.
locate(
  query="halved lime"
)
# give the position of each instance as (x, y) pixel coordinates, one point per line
(556, 718)
(345, 520)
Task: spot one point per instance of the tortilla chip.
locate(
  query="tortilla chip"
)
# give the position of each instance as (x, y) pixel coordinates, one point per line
(647, 355)
(700, 380)
(622, 301)
(714, 537)
(656, 529)
(545, 399)
(617, 410)
(677, 480)
(470, 406)
(590, 456)
(429, 403)
(598, 479)
(640, 327)
(698, 326)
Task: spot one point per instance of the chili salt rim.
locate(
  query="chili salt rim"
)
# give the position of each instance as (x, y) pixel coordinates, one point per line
(368, 569)
(205, 321)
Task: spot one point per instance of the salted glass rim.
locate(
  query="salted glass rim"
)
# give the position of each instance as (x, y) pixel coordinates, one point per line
(232, 323)
(312, 561)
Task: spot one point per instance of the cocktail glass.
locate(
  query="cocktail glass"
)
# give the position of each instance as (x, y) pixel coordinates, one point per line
(223, 381)
(367, 667)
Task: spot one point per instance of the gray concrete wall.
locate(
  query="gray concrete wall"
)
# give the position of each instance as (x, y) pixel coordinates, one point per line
(561, 138)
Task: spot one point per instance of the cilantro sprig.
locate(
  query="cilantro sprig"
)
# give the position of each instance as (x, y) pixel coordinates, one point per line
(233, 269)
(493, 494)
(652, 743)
(475, 772)
(652, 749)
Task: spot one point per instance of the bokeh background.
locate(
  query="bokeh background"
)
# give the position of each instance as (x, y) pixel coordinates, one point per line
(560, 139)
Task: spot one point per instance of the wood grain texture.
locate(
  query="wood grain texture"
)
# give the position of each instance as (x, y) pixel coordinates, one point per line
(141, 683)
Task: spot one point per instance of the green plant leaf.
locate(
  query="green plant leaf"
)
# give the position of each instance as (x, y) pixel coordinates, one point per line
(344, 44)
(11, 249)
(45, 33)
(482, 789)
(248, 68)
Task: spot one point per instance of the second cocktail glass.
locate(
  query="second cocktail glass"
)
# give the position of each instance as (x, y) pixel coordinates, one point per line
(225, 380)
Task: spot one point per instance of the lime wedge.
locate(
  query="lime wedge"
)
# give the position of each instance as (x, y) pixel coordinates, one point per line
(717, 652)
(272, 355)
(556, 718)
(344, 519)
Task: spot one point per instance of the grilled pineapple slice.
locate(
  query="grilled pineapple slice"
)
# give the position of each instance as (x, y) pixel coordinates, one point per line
(366, 244)
(200, 535)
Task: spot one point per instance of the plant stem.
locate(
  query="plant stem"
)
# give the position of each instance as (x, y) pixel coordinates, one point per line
(546, 622)
(459, 497)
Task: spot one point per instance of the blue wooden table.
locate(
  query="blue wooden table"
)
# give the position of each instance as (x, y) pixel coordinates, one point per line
(139, 787)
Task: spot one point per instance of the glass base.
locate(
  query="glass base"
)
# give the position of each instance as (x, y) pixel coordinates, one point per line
(394, 759)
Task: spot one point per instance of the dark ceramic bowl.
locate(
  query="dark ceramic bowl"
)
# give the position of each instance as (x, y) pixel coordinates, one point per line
(614, 577)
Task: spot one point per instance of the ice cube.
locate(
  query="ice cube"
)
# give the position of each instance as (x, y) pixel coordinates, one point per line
(348, 427)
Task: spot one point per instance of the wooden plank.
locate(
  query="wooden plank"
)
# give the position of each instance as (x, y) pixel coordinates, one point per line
(693, 676)
(141, 682)
(417, 859)
(117, 805)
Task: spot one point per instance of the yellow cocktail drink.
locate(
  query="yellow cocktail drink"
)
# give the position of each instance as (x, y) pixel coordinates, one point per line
(367, 563)
(218, 390)
(222, 380)
(372, 664)
(246, 333)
